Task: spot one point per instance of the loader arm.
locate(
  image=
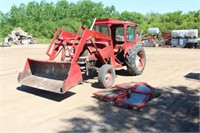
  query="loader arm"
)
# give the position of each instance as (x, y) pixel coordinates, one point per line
(87, 35)
(60, 37)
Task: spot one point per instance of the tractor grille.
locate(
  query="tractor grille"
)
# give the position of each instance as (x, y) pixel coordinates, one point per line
(82, 63)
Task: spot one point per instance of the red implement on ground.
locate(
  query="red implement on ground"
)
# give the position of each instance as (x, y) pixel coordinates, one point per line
(130, 94)
(108, 45)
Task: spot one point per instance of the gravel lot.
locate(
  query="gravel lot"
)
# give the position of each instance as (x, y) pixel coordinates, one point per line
(175, 72)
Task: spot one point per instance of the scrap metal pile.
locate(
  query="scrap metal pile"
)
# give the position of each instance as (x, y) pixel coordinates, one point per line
(18, 37)
(185, 38)
(151, 38)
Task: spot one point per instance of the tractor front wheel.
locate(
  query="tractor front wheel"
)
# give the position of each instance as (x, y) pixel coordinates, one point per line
(135, 60)
(106, 76)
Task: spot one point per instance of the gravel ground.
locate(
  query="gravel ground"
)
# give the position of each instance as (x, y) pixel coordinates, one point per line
(174, 72)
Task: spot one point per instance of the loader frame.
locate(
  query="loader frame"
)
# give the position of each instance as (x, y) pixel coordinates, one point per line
(102, 49)
(62, 39)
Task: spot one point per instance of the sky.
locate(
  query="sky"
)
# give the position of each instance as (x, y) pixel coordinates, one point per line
(140, 6)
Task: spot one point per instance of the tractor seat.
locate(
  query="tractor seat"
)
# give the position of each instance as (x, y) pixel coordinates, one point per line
(118, 48)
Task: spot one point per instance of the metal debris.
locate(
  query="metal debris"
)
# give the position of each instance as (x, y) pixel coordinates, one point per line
(18, 37)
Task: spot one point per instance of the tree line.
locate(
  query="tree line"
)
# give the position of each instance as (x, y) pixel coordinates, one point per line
(41, 19)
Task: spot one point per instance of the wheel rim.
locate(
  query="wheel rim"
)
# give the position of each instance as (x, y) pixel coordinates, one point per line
(139, 60)
(109, 77)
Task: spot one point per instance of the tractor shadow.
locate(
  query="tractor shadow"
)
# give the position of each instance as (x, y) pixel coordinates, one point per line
(93, 78)
(122, 72)
(195, 76)
(170, 112)
(45, 94)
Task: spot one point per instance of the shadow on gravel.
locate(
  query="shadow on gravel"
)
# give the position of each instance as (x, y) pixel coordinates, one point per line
(94, 77)
(45, 94)
(171, 112)
(195, 76)
(94, 83)
(122, 72)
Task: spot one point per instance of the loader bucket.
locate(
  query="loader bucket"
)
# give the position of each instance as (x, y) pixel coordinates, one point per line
(52, 76)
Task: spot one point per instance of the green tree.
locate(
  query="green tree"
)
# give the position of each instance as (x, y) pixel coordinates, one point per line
(43, 18)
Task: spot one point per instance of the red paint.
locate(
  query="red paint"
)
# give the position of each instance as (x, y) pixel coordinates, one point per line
(100, 47)
(123, 91)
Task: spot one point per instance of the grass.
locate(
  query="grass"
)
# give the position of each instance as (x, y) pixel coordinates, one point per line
(1, 39)
(44, 40)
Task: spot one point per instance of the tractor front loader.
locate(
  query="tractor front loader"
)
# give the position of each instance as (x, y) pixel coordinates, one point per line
(111, 44)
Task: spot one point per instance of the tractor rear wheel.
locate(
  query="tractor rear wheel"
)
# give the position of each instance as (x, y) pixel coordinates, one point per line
(135, 60)
(106, 76)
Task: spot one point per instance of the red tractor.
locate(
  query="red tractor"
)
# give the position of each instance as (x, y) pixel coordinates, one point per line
(111, 44)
